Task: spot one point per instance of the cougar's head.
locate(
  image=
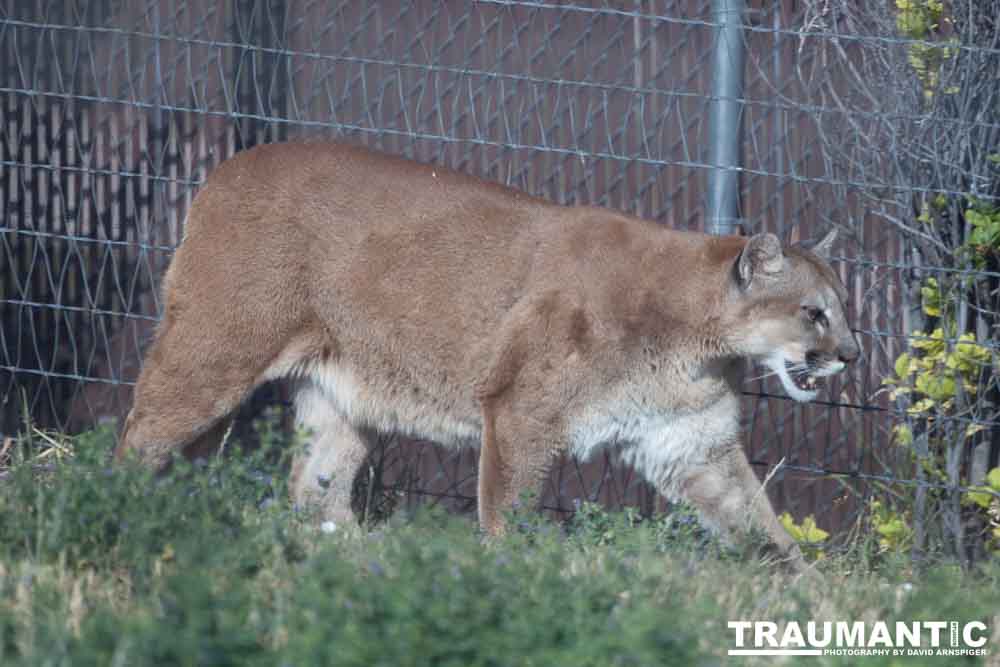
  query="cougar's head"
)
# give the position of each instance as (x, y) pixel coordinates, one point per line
(791, 313)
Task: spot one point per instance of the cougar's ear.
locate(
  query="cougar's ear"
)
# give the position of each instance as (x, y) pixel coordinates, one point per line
(825, 245)
(761, 255)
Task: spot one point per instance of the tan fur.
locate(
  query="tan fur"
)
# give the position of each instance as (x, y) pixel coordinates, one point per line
(409, 298)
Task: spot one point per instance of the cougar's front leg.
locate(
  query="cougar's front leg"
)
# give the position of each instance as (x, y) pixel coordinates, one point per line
(726, 492)
(524, 393)
(517, 450)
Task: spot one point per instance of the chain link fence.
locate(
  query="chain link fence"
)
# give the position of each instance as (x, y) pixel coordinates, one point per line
(854, 116)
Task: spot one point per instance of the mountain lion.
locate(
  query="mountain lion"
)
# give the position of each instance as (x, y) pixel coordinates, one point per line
(407, 298)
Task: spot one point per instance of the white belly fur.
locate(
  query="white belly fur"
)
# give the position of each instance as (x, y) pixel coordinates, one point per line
(654, 443)
(338, 388)
(658, 443)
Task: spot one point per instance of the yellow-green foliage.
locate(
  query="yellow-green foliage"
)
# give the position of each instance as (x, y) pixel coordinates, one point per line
(984, 235)
(943, 365)
(986, 499)
(930, 296)
(892, 528)
(931, 371)
(807, 534)
(922, 20)
(940, 373)
(916, 18)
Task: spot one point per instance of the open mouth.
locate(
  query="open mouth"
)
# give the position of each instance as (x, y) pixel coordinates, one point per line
(799, 380)
(803, 378)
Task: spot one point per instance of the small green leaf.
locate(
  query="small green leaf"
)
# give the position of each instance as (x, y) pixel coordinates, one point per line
(893, 533)
(936, 387)
(931, 344)
(811, 532)
(789, 524)
(931, 298)
(980, 498)
(902, 366)
(925, 215)
(993, 479)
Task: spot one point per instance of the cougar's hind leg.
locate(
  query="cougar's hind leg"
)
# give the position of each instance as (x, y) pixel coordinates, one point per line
(233, 310)
(323, 470)
(189, 382)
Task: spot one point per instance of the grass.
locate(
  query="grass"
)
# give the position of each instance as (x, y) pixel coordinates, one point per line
(212, 566)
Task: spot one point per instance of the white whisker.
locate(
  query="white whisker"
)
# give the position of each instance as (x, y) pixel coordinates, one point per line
(762, 377)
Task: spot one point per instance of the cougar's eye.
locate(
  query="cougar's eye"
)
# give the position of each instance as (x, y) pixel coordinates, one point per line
(815, 315)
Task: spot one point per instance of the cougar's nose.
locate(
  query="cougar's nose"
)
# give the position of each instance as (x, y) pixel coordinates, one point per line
(850, 351)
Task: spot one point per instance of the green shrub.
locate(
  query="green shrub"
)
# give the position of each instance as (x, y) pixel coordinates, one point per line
(210, 565)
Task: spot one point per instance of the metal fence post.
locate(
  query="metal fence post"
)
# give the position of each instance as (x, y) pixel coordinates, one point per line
(726, 118)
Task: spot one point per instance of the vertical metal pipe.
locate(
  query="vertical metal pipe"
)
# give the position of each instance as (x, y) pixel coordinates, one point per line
(778, 116)
(726, 118)
(159, 230)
